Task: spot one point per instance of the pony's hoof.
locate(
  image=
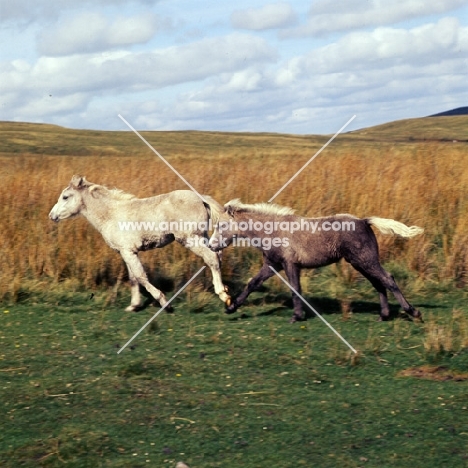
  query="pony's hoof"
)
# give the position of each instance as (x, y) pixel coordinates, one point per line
(417, 316)
(296, 318)
(132, 308)
(226, 298)
(231, 308)
(169, 309)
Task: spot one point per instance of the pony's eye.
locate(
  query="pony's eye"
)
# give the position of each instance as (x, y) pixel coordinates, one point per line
(65, 197)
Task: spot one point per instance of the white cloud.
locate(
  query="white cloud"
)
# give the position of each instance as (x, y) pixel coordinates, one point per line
(270, 16)
(327, 16)
(246, 80)
(102, 57)
(120, 72)
(387, 47)
(143, 70)
(41, 107)
(93, 32)
(316, 104)
(379, 75)
(28, 10)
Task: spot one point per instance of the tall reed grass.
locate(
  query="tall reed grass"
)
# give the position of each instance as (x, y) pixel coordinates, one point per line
(446, 338)
(417, 184)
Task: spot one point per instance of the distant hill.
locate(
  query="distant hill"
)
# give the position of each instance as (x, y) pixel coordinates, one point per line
(423, 129)
(457, 111)
(20, 138)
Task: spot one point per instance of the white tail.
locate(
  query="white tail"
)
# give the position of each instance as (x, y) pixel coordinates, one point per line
(390, 226)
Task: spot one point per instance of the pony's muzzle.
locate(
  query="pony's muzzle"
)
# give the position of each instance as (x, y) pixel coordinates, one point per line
(53, 216)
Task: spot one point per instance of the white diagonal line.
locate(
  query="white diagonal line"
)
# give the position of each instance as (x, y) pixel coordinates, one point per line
(313, 310)
(311, 159)
(161, 309)
(162, 159)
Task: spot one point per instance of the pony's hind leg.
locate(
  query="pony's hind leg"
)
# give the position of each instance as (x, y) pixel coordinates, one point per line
(383, 280)
(138, 276)
(384, 307)
(391, 285)
(293, 273)
(199, 246)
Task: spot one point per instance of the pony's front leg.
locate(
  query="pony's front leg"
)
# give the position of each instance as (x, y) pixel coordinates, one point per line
(264, 273)
(135, 302)
(137, 273)
(198, 245)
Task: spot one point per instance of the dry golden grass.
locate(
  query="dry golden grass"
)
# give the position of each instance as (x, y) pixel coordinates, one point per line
(417, 183)
(449, 337)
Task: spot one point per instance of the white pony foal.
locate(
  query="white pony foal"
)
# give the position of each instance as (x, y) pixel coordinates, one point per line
(176, 216)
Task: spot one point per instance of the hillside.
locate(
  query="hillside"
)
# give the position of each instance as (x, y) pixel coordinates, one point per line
(45, 139)
(452, 112)
(422, 129)
(29, 138)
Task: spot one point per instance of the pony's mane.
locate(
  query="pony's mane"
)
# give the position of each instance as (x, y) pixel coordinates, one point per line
(79, 182)
(236, 206)
(115, 193)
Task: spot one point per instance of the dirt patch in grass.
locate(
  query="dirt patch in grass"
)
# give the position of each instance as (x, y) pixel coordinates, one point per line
(437, 373)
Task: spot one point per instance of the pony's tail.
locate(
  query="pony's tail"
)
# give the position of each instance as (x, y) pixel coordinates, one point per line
(390, 226)
(213, 208)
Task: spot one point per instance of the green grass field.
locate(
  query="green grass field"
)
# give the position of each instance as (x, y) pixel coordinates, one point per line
(248, 390)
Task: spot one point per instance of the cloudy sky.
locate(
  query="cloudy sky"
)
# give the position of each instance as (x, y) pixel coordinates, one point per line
(298, 66)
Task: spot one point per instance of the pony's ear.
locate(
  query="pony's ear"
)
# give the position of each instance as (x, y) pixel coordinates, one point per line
(231, 206)
(78, 182)
(229, 210)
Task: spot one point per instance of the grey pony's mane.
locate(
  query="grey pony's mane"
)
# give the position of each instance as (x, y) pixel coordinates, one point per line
(236, 206)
